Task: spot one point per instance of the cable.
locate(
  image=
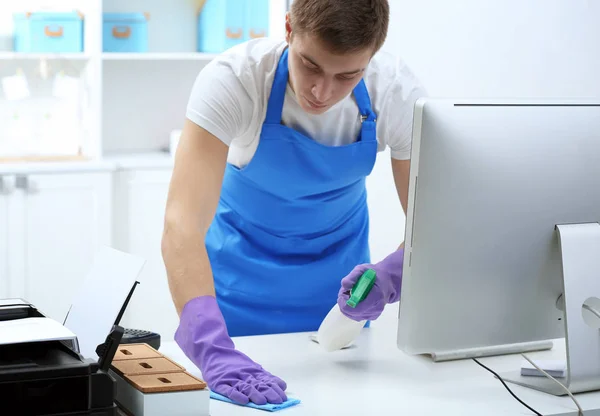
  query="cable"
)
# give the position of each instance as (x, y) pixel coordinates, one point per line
(509, 390)
(592, 310)
(558, 382)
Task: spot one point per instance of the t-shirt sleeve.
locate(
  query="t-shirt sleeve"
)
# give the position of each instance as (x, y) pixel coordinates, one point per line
(400, 102)
(219, 102)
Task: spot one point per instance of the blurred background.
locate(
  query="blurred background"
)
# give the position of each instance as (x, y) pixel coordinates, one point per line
(93, 96)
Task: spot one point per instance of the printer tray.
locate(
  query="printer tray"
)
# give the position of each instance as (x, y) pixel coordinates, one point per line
(105, 412)
(50, 379)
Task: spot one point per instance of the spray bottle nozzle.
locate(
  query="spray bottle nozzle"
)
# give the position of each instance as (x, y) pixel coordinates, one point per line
(362, 288)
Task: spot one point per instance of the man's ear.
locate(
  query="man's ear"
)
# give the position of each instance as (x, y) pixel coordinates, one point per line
(288, 28)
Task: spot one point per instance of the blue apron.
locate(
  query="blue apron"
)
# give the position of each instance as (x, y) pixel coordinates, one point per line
(291, 224)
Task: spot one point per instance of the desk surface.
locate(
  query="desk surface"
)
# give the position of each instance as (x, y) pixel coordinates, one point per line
(375, 378)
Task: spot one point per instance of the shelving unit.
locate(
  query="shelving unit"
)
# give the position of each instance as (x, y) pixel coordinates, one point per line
(17, 56)
(130, 102)
(114, 193)
(159, 56)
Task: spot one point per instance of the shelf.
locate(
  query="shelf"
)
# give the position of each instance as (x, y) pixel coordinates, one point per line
(140, 160)
(8, 55)
(111, 162)
(54, 165)
(152, 56)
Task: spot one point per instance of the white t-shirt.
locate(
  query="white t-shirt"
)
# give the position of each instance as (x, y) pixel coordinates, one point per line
(230, 95)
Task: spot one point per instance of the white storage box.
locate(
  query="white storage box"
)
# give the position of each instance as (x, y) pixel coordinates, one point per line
(150, 384)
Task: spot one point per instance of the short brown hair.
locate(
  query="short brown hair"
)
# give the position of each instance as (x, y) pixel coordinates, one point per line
(343, 25)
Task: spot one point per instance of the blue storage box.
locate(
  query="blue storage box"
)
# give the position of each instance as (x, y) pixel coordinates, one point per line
(223, 24)
(256, 23)
(125, 32)
(48, 32)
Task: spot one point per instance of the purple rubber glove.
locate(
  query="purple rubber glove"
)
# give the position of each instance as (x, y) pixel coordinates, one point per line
(385, 290)
(202, 335)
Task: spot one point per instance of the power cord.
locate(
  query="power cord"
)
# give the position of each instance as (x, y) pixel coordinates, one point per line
(556, 381)
(509, 390)
(580, 410)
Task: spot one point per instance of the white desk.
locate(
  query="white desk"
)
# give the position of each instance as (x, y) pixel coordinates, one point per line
(375, 378)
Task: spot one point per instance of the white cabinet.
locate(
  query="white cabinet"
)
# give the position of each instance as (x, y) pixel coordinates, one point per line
(3, 243)
(56, 223)
(5, 188)
(140, 199)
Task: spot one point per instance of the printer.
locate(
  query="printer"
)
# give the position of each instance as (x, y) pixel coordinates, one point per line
(42, 371)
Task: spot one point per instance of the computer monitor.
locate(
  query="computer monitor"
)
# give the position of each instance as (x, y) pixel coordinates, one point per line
(504, 199)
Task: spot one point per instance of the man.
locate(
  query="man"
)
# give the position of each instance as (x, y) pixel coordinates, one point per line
(267, 205)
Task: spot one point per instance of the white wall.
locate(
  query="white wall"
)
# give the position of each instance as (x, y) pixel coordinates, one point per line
(528, 48)
(486, 48)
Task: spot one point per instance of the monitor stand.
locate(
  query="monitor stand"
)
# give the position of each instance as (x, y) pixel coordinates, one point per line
(491, 351)
(580, 250)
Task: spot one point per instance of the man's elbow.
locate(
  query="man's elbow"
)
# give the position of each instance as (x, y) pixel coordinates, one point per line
(167, 239)
(180, 231)
(172, 236)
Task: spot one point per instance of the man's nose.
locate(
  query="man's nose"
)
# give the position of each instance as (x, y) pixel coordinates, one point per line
(322, 90)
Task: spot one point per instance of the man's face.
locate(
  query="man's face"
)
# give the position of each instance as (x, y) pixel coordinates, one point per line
(320, 78)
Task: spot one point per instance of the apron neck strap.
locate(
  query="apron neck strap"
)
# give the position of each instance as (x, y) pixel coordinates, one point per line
(363, 101)
(275, 105)
(278, 89)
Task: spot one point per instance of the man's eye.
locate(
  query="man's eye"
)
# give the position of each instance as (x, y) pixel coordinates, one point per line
(310, 66)
(347, 77)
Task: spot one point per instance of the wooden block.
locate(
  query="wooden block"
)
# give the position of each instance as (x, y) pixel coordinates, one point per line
(135, 352)
(161, 383)
(143, 366)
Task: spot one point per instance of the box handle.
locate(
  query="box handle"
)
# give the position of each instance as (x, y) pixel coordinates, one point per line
(121, 32)
(233, 35)
(258, 34)
(200, 7)
(53, 33)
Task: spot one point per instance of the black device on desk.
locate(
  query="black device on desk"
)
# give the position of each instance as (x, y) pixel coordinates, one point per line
(135, 336)
(45, 377)
(50, 378)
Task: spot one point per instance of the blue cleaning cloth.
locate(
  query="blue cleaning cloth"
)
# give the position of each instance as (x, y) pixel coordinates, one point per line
(268, 407)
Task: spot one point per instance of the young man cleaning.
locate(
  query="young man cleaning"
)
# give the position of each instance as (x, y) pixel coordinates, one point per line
(267, 221)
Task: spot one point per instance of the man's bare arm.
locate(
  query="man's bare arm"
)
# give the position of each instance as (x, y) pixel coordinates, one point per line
(401, 170)
(192, 201)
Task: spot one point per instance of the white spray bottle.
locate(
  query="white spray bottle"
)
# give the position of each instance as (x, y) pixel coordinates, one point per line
(337, 330)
